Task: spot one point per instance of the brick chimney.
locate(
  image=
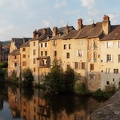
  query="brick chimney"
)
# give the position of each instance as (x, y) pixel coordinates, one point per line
(80, 24)
(55, 30)
(34, 33)
(106, 25)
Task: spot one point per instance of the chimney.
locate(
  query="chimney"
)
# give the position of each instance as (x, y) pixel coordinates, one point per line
(106, 25)
(80, 24)
(67, 30)
(34, 33)
(55, 30)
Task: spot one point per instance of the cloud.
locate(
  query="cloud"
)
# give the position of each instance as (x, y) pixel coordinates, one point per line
(88, 3)
(114, 18)
(59, 4)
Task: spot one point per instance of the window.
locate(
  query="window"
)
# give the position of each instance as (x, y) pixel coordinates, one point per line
(107, 82)
(15, 64)
(41, 44)
(95, 56)
(113, 79)
(79, 53)
(34, 69)
(91, 66)
(108, 58)
(45, 53)
(109, 44)
(34, 61)
(115, 71)
(68, 55)
(33, 43)
(45, 44)
(76, 65)
(68, 66)
(24, 56)
(34, 52)
(95, 45)
(92, 76)
(23, 49)
(118, 44)
(107, 70)
(54, 43)
(118, 57)
(55, 53)
(15, 57)
(41, 53)
(83, 65)
(69, 46)
(24, 63)
(65, 46)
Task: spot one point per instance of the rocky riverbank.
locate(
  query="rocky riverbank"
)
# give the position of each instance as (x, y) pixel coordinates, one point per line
(110, 110)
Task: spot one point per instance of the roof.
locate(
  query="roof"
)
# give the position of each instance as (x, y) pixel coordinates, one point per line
(71, 34)
(62, 32)
(42, 33)
(27, 44)
(114, 33)
(15, 52)
(19, 41)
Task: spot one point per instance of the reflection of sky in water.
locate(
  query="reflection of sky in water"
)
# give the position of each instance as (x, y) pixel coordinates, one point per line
(5, 113)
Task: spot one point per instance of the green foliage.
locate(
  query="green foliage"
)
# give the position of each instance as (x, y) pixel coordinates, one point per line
(28, 77)
(69, 79)
(4, 64)
(99, 93)
(58, 81)
(81, 88)
(54, 81)
(3, 73)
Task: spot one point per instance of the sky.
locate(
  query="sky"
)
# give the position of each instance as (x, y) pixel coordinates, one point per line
(19, 18)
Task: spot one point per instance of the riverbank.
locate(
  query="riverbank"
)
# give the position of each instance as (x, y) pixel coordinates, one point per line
(110, 110)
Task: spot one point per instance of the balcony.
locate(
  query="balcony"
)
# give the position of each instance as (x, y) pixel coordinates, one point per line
(44, 62)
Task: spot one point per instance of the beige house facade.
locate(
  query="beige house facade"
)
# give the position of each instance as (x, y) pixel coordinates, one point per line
(91, 50)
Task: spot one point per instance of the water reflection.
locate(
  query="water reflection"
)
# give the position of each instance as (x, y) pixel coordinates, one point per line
(40, 107)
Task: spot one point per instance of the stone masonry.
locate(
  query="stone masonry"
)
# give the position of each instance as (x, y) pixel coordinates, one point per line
(110, 110)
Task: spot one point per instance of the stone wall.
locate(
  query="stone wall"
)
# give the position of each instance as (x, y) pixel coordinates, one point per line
(110, 110)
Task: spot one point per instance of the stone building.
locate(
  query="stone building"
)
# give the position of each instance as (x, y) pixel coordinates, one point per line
(91, 50)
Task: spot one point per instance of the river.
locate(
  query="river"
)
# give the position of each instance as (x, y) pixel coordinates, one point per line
(29, 104)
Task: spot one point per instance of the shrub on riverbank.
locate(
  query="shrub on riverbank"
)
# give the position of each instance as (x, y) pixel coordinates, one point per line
(27, 77)
(57, 81)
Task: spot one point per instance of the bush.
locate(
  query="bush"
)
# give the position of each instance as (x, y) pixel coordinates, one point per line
(4, 64)
(81, 88)
(99, 93)
(28, 77)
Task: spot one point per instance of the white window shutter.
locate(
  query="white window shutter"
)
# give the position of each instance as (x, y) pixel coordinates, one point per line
(112, 58)
(105, 58)
(77, 53)
(82, 52)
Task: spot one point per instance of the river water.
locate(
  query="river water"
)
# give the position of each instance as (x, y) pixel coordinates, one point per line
(28, 104)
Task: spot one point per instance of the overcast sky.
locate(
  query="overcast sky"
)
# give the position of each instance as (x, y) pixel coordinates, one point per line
(19, 18)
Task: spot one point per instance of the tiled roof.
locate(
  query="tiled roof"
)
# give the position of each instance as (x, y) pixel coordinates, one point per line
(71, 34)
(42, 33)
(27, 44)
(114, 34)
(15, 52)
(62, 32)
(19, 41)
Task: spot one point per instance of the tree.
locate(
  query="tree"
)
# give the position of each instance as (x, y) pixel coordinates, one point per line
(54, 81)
(28, 77)
(69, 79)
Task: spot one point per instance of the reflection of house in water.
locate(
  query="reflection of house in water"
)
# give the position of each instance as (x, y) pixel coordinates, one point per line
(38, 108)
(14, 102)
(1, 103)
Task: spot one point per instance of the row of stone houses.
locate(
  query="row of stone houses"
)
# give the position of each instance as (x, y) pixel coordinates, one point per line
(91, 50)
